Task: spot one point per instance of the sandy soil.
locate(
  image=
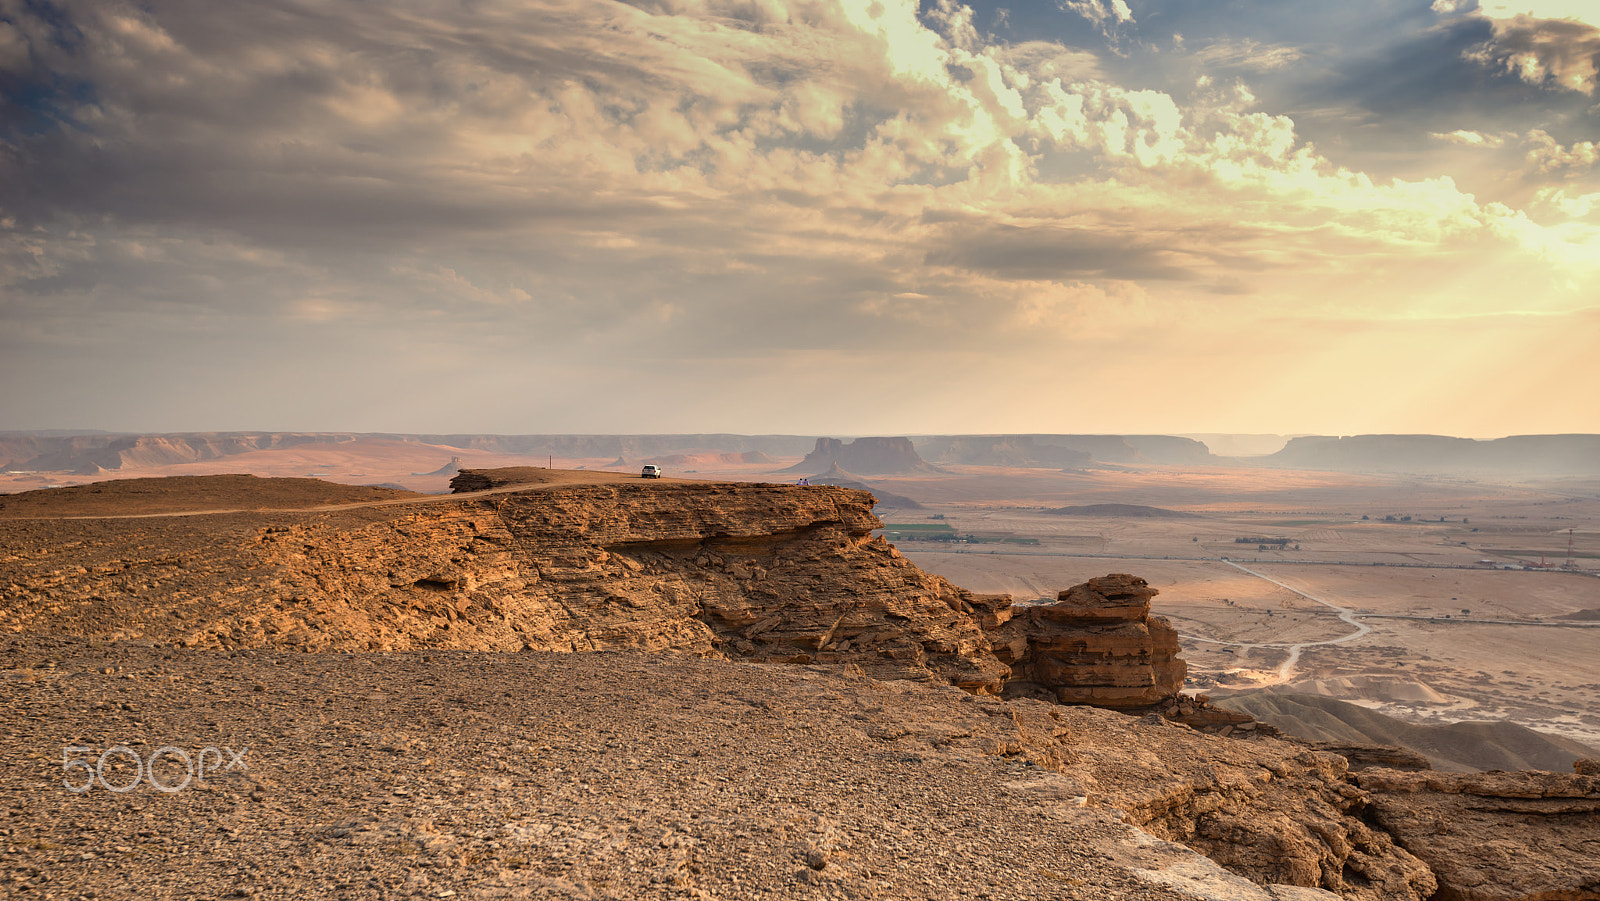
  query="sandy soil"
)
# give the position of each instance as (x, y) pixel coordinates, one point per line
(522, 776)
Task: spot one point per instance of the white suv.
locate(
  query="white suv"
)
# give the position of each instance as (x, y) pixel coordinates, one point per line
(651, 471)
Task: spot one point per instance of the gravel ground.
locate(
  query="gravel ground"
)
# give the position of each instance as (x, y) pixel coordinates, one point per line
(474, 775)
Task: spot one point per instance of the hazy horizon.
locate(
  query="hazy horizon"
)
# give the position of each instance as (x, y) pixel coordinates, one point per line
(787, 216)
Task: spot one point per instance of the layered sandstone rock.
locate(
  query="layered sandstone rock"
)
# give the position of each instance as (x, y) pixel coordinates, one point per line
(1098, 644)
(764, 572)
(1497, 836)
(1271, 810)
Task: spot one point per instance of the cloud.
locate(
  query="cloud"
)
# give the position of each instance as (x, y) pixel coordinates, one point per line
(1248, 55)
(686, 185)
(1105, 15)
(1469, 138)
(1573, 10)
(1053, 253)
(1558, 53)
(1547, 156)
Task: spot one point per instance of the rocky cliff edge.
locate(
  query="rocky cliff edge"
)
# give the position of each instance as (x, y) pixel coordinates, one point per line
(783, 574)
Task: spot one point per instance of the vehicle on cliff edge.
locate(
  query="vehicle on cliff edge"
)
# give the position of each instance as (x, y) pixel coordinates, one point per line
(651, 471)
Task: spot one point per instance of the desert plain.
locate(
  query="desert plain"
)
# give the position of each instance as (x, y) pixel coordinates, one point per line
(1431, 632)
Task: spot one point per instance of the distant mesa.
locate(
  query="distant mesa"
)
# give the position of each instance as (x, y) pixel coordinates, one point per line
(1234, 444)
(95, 454)
(177, 494)
(1004, 450)
(1122, 511)
(99, 453)
(449, 469)
(840, 478)
(1063, 451)
(872, 456)
(1520, 454)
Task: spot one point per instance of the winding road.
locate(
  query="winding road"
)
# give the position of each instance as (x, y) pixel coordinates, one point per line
(1286, 669)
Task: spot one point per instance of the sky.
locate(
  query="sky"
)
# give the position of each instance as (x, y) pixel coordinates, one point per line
(787, 216)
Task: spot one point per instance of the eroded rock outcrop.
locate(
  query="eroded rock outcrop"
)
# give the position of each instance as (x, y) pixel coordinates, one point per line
(1523, 836)
(1098, 644)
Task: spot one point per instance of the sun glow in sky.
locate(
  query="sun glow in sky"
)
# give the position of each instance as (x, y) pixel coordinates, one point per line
(801, 216)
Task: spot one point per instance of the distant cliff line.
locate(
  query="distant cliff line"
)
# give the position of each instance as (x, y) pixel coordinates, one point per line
(1525, 455)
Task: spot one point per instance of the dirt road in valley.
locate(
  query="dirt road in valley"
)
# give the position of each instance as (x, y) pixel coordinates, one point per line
(1286, 669)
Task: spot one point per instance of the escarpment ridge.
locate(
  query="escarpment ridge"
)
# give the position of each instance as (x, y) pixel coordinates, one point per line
(563, 561)
(737, 573)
